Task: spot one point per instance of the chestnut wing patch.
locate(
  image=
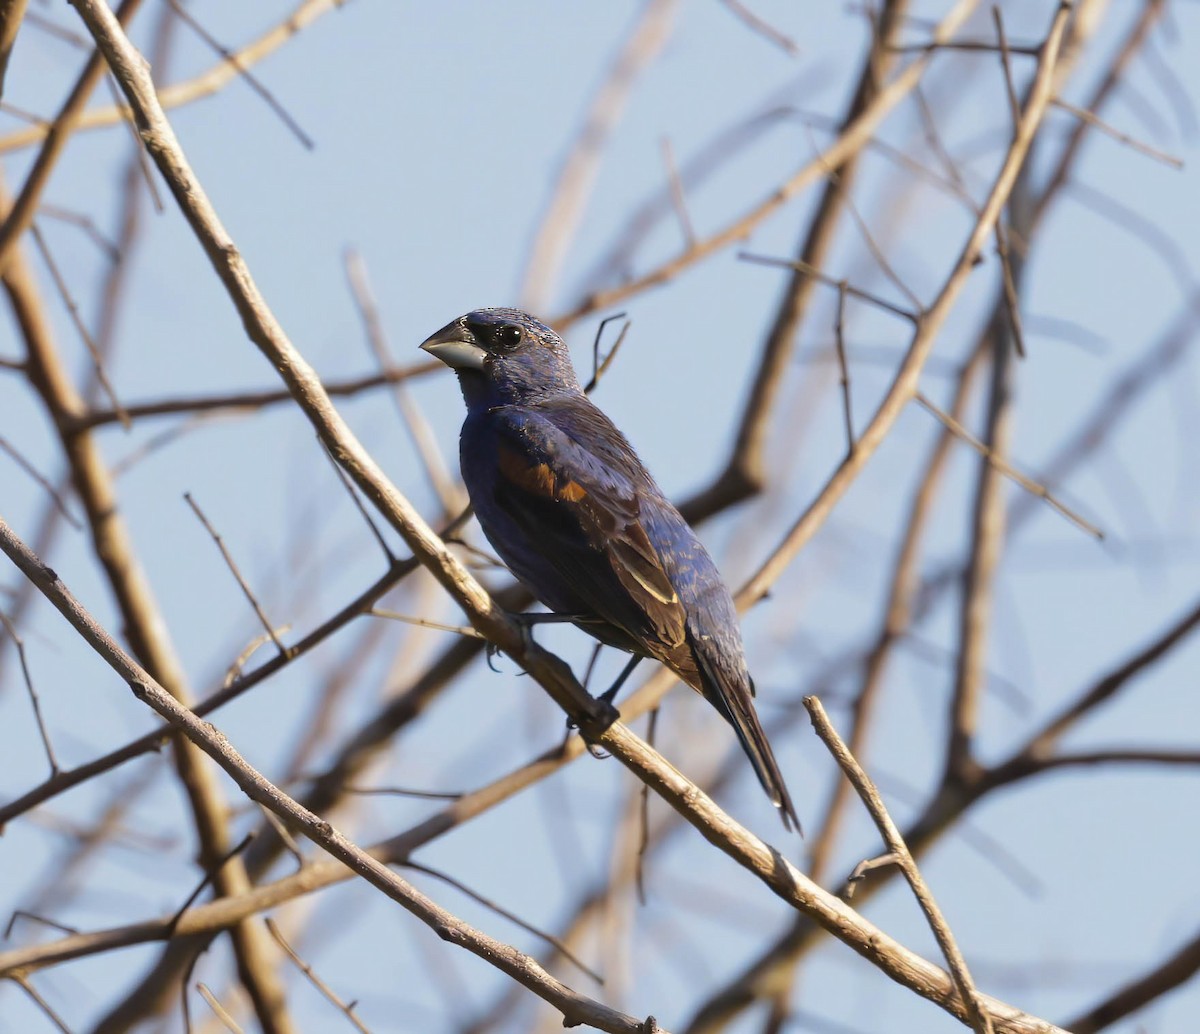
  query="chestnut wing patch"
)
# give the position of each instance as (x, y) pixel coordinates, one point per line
(592, 534)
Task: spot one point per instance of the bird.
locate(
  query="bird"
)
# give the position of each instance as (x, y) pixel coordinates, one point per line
(569, 507)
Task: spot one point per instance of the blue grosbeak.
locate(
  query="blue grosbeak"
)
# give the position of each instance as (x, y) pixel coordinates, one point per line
(570, 509)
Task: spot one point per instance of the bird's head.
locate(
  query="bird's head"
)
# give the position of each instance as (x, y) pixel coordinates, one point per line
(504, 357)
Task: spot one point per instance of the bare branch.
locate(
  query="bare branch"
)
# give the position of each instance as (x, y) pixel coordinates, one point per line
(219, 1011)
(757, 25)
(904, 386)
(678, 199)
(244, 73)
(1006, 468)
(19, 215)
(1092, 119)
(347, 1008)
(268, 627)
(573, 185)
(250, 400)
(862, 783)
(24, 984)
(11, 13)
(19, 643)
(56, 497)
(1179, 967)
(576, 1008)
(849, 143)
(80, 326)
(204, 85)
(512, 917)
(447, 487)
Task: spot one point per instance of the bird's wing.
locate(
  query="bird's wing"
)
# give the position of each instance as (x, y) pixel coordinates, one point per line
(582, 512)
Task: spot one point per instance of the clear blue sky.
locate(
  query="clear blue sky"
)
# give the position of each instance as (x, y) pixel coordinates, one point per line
(438, 130)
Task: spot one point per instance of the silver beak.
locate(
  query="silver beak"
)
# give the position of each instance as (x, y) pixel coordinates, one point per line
(455, 346)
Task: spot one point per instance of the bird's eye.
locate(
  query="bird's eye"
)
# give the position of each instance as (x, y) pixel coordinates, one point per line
(508, 336)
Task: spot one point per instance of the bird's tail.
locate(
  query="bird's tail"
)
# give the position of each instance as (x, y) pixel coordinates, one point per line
(738, 708)
(754, 742)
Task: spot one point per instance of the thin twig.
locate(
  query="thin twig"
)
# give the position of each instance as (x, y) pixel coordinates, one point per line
(839, 341)
(449, 490)
(840, 286)
(968, 46)
(600, 367)
(24, 984)
(391, 615)
(218, 1009)
(1092, 119)
(19, 643)
(1010, 88)
(235, 670)
(363, 512)
(549, 938)
(346, 1008)
(402, 791)
(678, 200)
(763, 28)
(573, 184)
(21, 913)
(1012, 303)
(237, 574)
(877, 253)
(242, 70)
(80, 326)
(639, 872)
(60, 504)
(87, 224)
(1027, 483)
(898, 851)
(284, 834)
(933, 138)
(59, 32)
(207, 879)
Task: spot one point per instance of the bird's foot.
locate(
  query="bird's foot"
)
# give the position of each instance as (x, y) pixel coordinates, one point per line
(491, 651)
(596, 724)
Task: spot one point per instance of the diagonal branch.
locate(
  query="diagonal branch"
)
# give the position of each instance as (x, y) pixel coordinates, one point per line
(565, 208)
(19, 217)
(899, 852)
(744, 469)
(904, 387)
(850, 142)
(479, 606)
(204, 85)
(718, 828)
(575, 1008)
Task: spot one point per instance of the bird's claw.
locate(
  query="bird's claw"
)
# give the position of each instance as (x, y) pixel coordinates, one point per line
(490, 652)
(597, 723)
